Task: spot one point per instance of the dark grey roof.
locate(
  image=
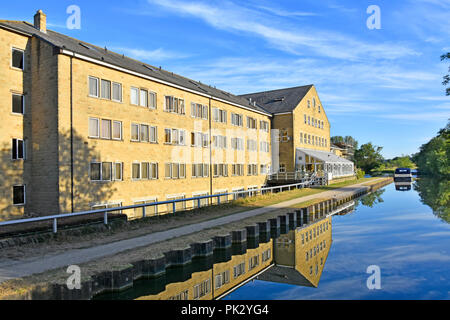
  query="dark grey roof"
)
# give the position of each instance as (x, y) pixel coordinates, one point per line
(281, 100)
(286, 275)
(107, 56)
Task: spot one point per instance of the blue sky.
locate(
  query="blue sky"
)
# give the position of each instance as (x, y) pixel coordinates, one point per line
(382, 86)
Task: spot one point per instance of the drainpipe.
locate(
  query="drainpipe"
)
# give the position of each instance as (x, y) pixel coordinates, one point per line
(210, 150)
(71, 134)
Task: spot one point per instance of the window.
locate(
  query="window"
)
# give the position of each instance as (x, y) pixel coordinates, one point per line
(136, 171)
(18, 59)
(202, 289)
(239, 270)
(134, 96)
(252, 170)
(222, 278)
(309, 104)
(143, 99)
(264, 146)
(18, 103)
(18, 149)
(199, 111)
(282, 168)
(314, 103)
(118, 171)
(265, 256)
(253, 262)
(264, 169)
(309, 120)
(134, 132)
(220, 170)
(219, 115)
(153, 134)
(251, 123)
(106, 89)
(220, 142)
(101, 171)
(138, 212)
(264, 126)
(319, 108)
(152, 100)
(236, 119)
(117, 92)
(18, 195)
(175, 170)
(237, 143)
(175, 136)
(237, 169)
(106, 129)
(284, 135)
(93, 87)
(305, 118)
(200, 170)
(252, 145)
(144, 133)
(94, 128)
(117, 130)
(174, 105)
(301, 137)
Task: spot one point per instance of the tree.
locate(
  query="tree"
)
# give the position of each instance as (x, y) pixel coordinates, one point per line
(433, 158)
(401, 162)
(368, 156)
(446, 77)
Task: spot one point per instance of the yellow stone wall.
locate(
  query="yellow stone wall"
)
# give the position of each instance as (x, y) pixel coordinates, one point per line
(315, 238)
(126, 192)
(12, 125)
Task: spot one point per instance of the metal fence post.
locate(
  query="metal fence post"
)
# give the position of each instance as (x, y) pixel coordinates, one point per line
(174, 207)
(105, 217)
(55, 225)
(218, 199)
(143, 212)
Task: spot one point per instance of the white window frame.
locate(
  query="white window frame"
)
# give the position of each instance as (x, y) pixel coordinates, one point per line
(24, 151)
(98, 86)
(115, 171)
(112, 91)
(140, 172)
(137, 95)
(24, 195)
(150, 93)
(23, 103)
(23, 58)
(112, 130)
(131, 132)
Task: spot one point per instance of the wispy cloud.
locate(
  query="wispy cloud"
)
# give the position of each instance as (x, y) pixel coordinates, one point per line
(159, 54)
(231, 17)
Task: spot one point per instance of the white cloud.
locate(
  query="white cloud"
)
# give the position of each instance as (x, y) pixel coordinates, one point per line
(230, 17)
(159, 54)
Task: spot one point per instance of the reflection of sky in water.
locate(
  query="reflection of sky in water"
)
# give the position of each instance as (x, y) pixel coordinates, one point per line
(401, 235)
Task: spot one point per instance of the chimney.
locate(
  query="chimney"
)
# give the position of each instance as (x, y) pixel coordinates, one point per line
(40, 21)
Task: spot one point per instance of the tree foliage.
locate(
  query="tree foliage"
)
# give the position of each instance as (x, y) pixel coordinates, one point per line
(446, 77)
(368, 157)
(433, 158)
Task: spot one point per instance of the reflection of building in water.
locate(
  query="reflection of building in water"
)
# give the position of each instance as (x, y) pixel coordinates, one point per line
(403, 186)
(300, 255)
(223, 276)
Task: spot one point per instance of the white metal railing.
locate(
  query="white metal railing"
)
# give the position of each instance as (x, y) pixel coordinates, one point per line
(235, 194)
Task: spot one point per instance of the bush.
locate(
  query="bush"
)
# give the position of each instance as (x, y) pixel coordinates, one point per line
(360, 173)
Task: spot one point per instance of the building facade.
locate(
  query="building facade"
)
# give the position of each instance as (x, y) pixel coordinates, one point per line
(86, 128)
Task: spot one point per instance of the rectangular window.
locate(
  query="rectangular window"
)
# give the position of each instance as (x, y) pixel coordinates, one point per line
(144, 133)
(168, 135)
(145, 167)
(153, 171)
(152, 100)
(18, 59)
(136, 171)
(134, 96)
(18, 103)
(236, 119)
(101, 171)
(93, 87)
(118, 171)
(143, 100)
(117, 130)
(264, 126)
(106, 129)
(117, 92)
(153, 134)
(134, 132)
(18, 195)
(106, 89)
(18, 149)
(251, 123)
(94, 128)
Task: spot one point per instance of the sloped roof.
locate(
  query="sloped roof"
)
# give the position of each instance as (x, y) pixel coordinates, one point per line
(106, 56)
(327, 157)
(281, 100)
(282, 274)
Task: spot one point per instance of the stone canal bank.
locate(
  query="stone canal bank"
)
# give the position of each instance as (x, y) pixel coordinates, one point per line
(114, 266)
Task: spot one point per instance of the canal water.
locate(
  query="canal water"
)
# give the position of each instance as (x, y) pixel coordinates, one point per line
(388, 245)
